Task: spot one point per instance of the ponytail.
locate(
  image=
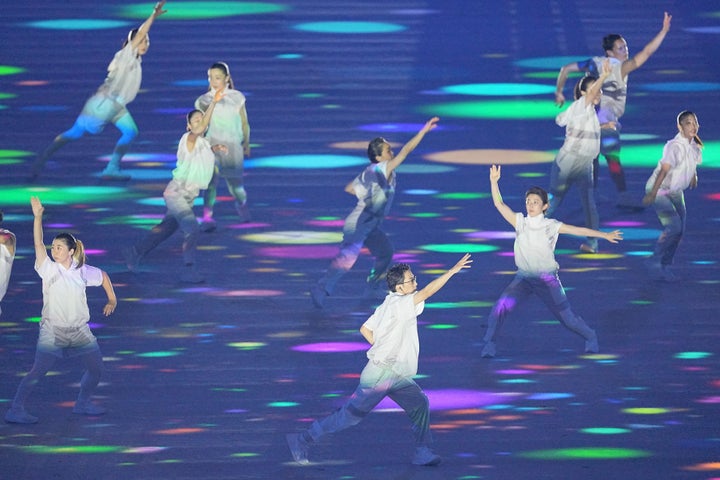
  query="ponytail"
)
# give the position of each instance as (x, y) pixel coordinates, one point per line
(73, 244)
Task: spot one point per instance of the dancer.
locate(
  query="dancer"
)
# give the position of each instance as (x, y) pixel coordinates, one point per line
(109, 103)
(393, 361)
(7, 255)
(374, 189)
(195, 167)
(574, 162)
(612, 104)
(676, 171)
(229, 127)
(64, 330)
(537, 273)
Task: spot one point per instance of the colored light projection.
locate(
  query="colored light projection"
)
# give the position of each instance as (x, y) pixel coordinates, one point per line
(203, 10)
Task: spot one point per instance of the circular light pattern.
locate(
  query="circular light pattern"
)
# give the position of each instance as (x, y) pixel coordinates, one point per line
(605, 430)
(496, 109)
(500, 89)
(491, 157)
(680, 87)
(307, 161)
(553, 63)
(61, 195)
(588, 453)
(349, 27)
(10, 70)
(331, 347)
(203, 10)
(320, 251)
(394, 128)
(451, 399)
(293, 237)
(459, 248)
(646, 410)
(79, 24)
(692, 355)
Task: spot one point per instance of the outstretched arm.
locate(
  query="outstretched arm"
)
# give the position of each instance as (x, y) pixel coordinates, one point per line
(432, 287)
(597, 84)
(110, 292)
(411, 144)
(638, 60)
(145, 27)
(504, 210)
(612, 237)
(40, 250)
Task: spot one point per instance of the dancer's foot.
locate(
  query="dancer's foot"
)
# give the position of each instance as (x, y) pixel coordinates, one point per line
(19, 415)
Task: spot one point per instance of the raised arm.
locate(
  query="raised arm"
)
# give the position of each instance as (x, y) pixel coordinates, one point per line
(207, 115)
(612, 237)
(110, 292)
(411, 144)
(638, 60)
(504, 210)
(145, 27)
(432, 287)
(562, 78)
(40, 250)
(597, 84)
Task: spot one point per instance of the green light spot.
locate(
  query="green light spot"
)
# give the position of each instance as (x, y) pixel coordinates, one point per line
(245, 455)
(459, 248)
(462, 196)
(531, 175)
(641, 302)
(8, 70)
(517, 380)
(66, 195)
(424, 215)
(597, 453)
(499, 89)
(496, 109)
(442, 326)
(247, 345)
(14, 153)
(605, 430)
(33, 319)
(160, 354)
(692, 355)
(202, 10)
(282, 404)
(82, 449)
(79, 24)
(349, 27)
(646, 411)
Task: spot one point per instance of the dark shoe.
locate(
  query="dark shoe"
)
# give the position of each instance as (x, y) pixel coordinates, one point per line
(88, 408)
(191, 275)
(488, 350)
(318, 295)
(425, 457)
(132, 258)
(298, 447)
(19, 415)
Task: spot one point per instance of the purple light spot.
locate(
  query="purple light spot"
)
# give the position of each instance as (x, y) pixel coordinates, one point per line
(326, 223)
(58, 225)
(624, 223)
(457, 399)
(490, 235)
(331, 347)
(515, 372)
(245, 226)
(550, 396)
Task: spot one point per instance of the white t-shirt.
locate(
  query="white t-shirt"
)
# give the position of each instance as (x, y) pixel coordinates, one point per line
(394, 326)
(194, 169)
(124, 75)
(582, 132)
(535, 244)
(6, 261)
(683, 156)
(64, 300)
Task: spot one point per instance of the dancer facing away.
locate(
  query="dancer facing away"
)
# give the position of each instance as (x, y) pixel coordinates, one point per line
(7, 255)
(374, 189)
(535, 239)
(612, 104)
(64, 330)
(109, 103)
(229, 127)
(574, 162)
(676, 171)
(195, 167)
(392, 363)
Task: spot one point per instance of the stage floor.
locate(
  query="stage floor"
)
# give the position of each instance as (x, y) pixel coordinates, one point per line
(204, 381)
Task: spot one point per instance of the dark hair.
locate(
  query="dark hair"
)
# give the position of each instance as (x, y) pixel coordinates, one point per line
(681, 116)
(582, 85)
(73, 243)
(191, 113)
(608, 41)
(131, 34)
(396, 275)
(539, 192)
(375, 148)
(223, 67)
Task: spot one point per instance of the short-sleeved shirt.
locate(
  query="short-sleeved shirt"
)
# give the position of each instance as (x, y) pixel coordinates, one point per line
(535, 244)
(683, 156)
(225, 124)
(194, 169)
(614, 96)
(374, 189)
(394, 325)
(64, 300)
(582, 131)
(124, 75)
(6, 262)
